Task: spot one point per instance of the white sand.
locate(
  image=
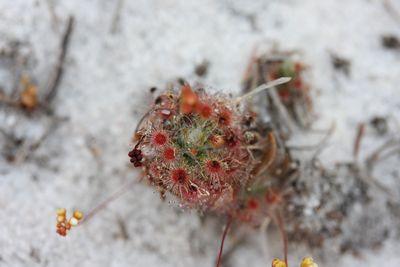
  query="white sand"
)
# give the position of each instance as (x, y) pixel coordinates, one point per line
(105, 89)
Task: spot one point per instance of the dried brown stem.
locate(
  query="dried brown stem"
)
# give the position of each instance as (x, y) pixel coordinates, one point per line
(376, 154)
(357, 142)
(55, 77)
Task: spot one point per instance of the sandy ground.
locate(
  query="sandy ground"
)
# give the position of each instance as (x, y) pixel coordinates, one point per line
(105, 90)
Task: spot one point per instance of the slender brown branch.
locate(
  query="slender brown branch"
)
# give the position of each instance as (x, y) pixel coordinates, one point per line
(376, 154)
(357, 142)
(55, 77)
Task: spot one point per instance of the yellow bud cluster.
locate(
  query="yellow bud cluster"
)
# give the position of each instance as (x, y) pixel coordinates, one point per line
(278, 263)
(306, 262)
(64, 225)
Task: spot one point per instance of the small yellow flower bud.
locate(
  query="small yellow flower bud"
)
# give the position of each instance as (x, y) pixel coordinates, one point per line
(78, 215)
(61, 212)
(278, 263)
(60, 218)
(308, 262)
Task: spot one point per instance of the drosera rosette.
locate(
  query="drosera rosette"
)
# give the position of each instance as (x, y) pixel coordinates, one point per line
(289, 105)
(195, 145)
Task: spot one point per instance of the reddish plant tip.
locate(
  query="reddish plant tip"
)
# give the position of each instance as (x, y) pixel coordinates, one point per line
(159, 139)
(179, 176)
(186, 108)
(62, 231)
(169, 153)
(191, 194)
(213, 166)
(298, 83)
(188, 99)
(225, 117)
(205, 111)
(284, 95)
(231, 139)
(299, 67)
(272, 197)
(252, 204)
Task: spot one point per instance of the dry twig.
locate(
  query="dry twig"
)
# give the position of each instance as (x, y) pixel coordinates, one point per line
(357, 142)
(55, 77)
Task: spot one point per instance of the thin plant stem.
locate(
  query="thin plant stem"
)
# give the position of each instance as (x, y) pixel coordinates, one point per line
(123, 189)
(277, 218)
(221, 248)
